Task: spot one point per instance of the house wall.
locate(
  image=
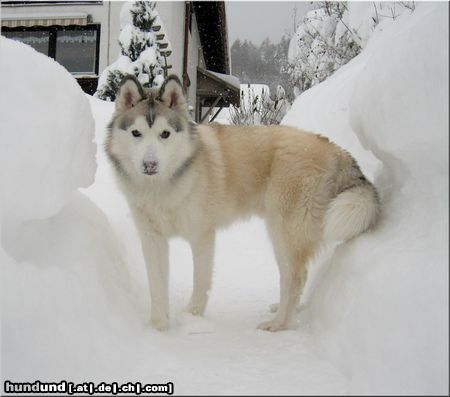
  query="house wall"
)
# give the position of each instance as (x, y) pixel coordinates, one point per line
(114, 30)
(172, 15)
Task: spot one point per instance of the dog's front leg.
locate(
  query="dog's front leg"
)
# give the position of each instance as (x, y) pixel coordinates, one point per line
(203, 256)
(156, 254)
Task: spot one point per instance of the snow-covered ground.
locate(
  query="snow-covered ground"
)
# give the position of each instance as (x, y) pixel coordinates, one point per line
(75, 301)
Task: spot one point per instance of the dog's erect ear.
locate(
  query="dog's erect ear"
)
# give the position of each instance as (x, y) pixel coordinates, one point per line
(171, 93)
(130, 93)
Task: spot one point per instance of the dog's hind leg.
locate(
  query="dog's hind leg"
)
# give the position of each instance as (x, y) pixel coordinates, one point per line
(299, 236)
(203, 256)
(281, 257)
(293, 287)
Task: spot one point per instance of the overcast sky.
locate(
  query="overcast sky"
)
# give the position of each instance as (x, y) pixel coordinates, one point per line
(256, 20)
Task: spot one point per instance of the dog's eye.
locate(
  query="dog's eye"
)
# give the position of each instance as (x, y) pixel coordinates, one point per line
(136, 133)
(165, 134)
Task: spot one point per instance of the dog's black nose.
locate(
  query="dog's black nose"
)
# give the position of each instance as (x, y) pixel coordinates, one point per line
(150, 167)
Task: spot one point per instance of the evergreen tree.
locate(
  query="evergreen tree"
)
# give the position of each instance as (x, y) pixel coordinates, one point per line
(139, 48)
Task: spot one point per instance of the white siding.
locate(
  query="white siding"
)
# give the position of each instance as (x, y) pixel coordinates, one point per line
(114, 30)
(172, 15)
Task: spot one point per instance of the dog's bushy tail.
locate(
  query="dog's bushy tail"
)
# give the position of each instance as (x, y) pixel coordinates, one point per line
(351, 212)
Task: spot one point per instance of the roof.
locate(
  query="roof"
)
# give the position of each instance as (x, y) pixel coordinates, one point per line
(211, 86)
(229, 79)
(212, 28)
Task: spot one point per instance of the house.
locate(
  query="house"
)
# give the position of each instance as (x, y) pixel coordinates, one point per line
(82, 36)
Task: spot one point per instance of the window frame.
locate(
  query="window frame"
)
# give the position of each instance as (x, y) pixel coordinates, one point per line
(53, 30)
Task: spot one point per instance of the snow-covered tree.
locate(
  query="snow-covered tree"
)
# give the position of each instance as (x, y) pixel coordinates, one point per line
(321, 45)
(140, 53)
(331, 35)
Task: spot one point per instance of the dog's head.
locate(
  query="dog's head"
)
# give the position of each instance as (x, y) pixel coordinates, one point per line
(151, 134)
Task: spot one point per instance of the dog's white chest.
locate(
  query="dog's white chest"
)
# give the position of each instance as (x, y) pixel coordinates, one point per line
(167, 214)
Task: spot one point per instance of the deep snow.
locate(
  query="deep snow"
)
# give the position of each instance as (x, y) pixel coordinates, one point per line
(380, 308)
(75, 302)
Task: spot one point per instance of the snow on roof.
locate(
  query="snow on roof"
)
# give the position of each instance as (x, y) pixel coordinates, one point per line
(231, 80)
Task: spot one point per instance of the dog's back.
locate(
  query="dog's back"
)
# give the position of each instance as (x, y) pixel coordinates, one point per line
(259, 167)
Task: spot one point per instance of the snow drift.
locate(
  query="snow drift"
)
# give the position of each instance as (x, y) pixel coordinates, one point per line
(379, 309)
(46, 146)
(58, 254)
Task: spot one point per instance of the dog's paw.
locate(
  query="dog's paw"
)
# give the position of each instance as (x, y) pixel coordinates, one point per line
(272, 326)
(160, 323)
(196, 308)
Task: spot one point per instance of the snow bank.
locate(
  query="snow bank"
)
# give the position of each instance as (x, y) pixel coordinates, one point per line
(379, 308)
(46, 148)
(324, 108)
(61, 269)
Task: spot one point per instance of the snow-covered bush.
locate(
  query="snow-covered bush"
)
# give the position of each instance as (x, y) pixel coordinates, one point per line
(322, 44)
(258, 106)
(139, 48)
(331, 35)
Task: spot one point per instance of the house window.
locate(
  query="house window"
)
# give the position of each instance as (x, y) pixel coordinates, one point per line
(76, 50)
(74, 47)
(37, 39)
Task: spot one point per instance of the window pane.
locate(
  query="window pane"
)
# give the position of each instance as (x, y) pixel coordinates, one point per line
(35, 38)
(76, 50)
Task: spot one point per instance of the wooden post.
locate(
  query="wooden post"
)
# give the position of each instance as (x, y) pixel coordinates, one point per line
(187, 17)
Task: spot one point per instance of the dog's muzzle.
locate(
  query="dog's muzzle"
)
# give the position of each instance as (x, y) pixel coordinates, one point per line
(150, 167)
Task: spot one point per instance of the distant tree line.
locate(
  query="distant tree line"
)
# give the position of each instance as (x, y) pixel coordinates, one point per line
(263, 64)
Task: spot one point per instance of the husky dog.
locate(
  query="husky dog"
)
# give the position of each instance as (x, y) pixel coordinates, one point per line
(188, 180)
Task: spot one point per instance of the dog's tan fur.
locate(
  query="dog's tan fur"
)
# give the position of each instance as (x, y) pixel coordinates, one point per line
(306, 188)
